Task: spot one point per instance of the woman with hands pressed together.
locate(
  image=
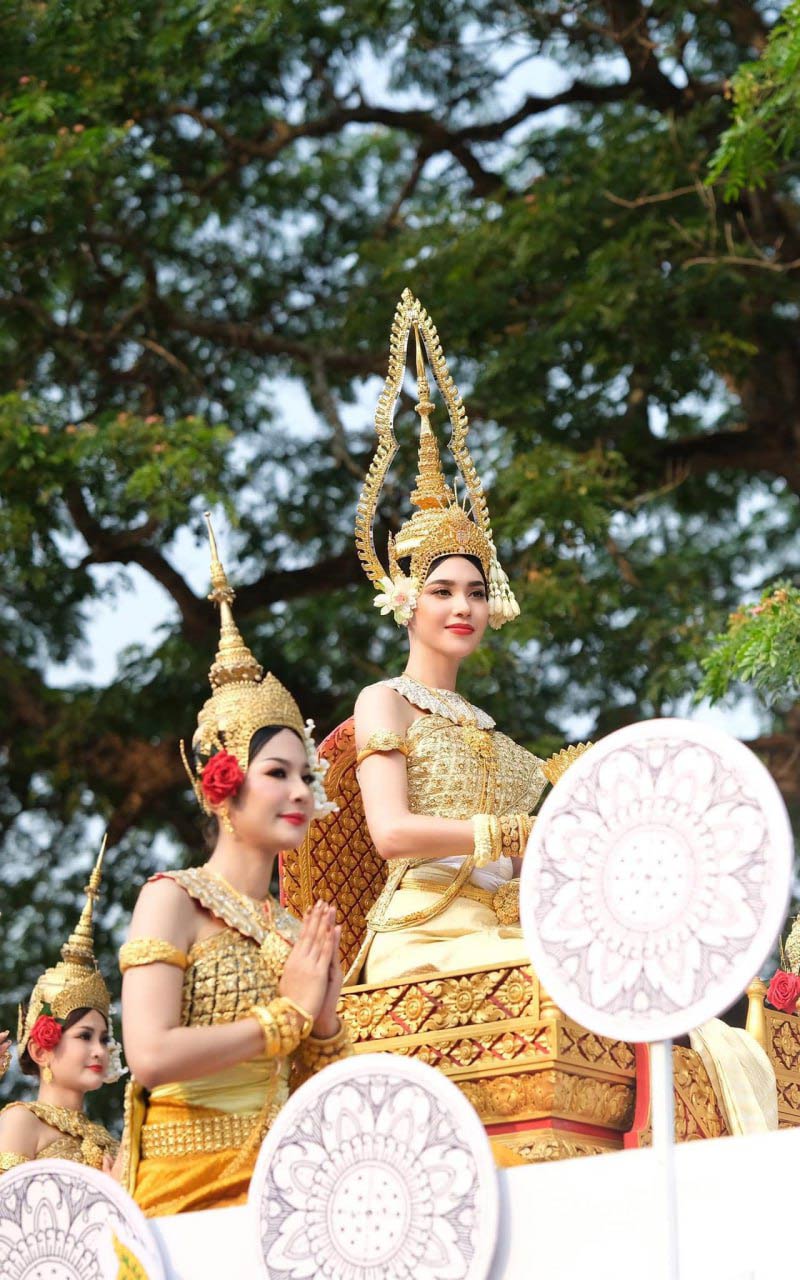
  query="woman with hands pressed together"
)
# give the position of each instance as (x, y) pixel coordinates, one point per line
(228, 1002)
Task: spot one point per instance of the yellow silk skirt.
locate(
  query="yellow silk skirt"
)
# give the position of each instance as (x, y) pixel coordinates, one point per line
(466, 934)
(183, 1161)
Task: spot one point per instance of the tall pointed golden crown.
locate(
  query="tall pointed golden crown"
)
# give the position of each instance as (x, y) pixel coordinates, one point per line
(75, 982)
(243, 699)
(440, 526)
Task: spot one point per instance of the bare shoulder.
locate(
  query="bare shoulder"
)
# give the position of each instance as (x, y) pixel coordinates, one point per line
(19, 1130)
(164, 910)
(379, 707)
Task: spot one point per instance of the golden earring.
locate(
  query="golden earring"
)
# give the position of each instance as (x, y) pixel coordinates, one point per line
(224, 818)
(47, 1074)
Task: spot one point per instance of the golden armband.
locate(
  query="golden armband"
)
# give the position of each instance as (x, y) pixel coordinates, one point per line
(284, 1025)
(382, 741)
(10, 1160)
(487, 838)
(142, 951)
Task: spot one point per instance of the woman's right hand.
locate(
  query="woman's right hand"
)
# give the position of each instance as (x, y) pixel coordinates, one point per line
(305, 974)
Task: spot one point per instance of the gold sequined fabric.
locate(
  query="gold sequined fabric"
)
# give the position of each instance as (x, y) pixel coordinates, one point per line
(241, 965)
(226, 975)
(80, 1140)
(456, 771)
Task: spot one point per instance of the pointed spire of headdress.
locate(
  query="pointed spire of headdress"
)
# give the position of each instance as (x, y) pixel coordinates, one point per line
(432, 491)
(79, 947)
(234, 661)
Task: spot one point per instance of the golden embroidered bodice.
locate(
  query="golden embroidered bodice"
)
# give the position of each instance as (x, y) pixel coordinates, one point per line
(226, 976)
(241, 965)
(455, 771)
(458, 764)
(79, 1140)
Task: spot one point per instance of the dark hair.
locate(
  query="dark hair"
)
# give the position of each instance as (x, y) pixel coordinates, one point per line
(259, 740)
(26, 1063)
(405, 564)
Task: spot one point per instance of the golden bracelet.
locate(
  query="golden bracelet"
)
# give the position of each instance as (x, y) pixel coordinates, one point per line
(487, 838)
(287, 1021)
(318, 1053)
(514, 831)
(308, 1021)
(269, 1027)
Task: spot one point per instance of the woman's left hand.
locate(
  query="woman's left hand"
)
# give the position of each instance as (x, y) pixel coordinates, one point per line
(327, 1022)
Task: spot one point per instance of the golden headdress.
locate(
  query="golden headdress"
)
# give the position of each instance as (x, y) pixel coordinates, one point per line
(440, 526)
(75, 982)
(243, 699)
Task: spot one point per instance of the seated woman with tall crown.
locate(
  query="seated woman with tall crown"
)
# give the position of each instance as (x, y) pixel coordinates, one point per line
(229, 1002)
(65, 1040)
(448, 798)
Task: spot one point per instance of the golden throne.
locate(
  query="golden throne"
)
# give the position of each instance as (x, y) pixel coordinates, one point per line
(544, 1087)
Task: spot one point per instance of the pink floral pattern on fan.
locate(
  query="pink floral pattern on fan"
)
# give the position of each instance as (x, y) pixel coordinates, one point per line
(656, 879)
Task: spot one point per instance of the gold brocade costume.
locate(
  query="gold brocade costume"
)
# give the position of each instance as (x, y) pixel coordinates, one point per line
(80, 1140)
(193, 1145)
(432, 916)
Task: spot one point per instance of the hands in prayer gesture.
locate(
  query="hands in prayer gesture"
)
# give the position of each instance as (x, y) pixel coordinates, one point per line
(312, 975)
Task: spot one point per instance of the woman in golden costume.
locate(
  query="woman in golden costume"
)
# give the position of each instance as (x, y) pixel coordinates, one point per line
(228, 1001)
(65, 1040)
(447, 797)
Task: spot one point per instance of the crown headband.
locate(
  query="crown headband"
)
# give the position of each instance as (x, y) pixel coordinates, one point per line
(440, 526)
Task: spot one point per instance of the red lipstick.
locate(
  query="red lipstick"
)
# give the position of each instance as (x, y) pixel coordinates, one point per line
(461, 628)
(296, 819)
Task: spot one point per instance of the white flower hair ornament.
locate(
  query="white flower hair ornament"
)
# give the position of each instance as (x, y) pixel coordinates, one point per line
(115, 1070)
(398, 598)
(322, 805)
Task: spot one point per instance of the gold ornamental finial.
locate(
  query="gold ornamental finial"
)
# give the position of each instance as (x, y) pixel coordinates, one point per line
(234, 661)
(431, 492)
(220, 587)
(79, 947)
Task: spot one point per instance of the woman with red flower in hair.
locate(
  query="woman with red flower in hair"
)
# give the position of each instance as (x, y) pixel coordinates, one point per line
(228, 1001)
(65, 1040)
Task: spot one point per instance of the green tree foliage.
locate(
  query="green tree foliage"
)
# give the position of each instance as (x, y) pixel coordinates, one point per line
(766, 111)
(759, 647)
(201, 202)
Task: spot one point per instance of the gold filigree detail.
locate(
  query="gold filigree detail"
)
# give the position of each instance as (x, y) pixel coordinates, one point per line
(383, 740)
(85, 1141)
(552, 1092)
(144, 951)
(75, 982)
(200, 1135)
(556, 766)
(243, 699)
(10, 1160)
(552, 1146)
(439, 526)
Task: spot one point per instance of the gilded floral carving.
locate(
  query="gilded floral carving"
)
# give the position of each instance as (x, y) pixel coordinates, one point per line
(552, 1092)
